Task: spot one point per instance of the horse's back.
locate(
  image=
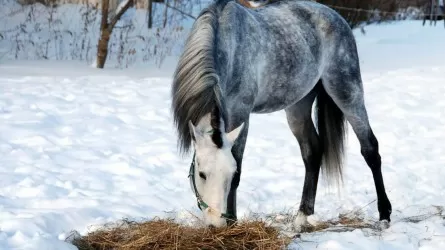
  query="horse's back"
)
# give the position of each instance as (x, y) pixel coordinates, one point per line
(284, 45)
(298, 40)
(304, 16)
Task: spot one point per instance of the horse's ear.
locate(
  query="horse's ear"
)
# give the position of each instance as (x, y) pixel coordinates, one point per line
(193, 131)
(233, 135)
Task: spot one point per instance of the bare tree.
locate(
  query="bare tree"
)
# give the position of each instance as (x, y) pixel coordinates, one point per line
(106, 28)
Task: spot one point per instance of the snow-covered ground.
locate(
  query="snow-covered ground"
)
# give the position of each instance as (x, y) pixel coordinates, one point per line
(80, 147)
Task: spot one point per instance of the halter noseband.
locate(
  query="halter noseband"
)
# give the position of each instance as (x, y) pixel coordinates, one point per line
(201, 204)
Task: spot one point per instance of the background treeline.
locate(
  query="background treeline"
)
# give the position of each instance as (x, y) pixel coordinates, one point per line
(137, 31)
(358, 12)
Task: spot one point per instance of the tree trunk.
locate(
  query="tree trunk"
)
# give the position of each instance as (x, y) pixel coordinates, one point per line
(105, 30)
(102, 46)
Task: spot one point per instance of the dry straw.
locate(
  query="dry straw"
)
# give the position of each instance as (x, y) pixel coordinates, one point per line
(167, 234)
(253, 233)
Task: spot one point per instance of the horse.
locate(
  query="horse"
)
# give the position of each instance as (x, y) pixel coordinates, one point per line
(285, 55)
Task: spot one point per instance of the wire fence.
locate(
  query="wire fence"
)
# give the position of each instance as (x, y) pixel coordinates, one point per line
(376, 15)
(367, 10)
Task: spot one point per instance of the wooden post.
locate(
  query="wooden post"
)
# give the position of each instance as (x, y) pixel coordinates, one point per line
(432, 12)
(150, 13)
(165, 13)
(441, 9)
(436, 3)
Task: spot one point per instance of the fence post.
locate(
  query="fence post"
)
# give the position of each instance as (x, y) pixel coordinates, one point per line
(432, 13)
(150, 13)
(441, 5)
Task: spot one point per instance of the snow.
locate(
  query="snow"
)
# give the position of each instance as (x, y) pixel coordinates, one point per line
(80, 147)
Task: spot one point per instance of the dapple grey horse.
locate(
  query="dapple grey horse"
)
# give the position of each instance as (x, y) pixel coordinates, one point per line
(281, 56)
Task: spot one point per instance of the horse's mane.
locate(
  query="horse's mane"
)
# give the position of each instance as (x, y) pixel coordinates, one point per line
(196, 91)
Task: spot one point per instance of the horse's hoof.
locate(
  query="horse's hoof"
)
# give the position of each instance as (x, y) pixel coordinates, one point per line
(232, 223)
(301, 223)
(382, 225)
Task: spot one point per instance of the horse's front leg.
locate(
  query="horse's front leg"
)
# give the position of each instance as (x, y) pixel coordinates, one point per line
(237, 151)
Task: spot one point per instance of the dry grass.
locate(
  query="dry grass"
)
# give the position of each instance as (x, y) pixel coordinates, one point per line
(342, 223)
(274, 232)
(167, 234)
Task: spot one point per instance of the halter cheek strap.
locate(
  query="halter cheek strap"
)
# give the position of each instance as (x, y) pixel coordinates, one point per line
(201, 204)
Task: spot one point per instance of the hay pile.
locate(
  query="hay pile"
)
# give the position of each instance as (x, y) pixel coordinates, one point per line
(167, 234)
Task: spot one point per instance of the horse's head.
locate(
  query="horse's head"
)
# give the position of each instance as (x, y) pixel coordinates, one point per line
(212, 169)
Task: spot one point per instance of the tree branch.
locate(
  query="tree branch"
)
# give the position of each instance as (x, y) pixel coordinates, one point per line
(180, 11)
(118, 16)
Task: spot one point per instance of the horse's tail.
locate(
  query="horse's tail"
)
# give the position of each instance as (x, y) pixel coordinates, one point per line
(195, 89)
(331, 130)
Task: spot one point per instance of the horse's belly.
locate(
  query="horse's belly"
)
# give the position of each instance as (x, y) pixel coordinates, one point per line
(284, 80)
(278, 91)
(280, 96)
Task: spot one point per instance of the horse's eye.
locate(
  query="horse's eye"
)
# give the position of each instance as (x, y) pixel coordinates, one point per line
(202, 175)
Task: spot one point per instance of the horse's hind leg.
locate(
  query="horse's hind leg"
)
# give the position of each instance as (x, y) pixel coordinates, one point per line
(301, 125)
(345, 88)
